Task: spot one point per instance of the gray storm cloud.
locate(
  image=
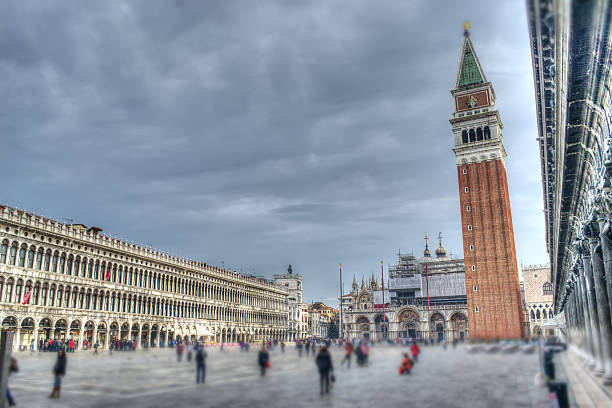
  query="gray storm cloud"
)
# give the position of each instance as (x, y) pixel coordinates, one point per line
(259, 134)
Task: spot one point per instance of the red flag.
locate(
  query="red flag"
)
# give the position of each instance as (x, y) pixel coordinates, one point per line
(26, 297)
(108, 272)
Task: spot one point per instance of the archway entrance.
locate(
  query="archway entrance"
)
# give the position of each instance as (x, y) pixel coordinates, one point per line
(75, 331)
(363, 327)
(114, 332)
(89, 333)
(153, 338)
(459, 326)
(381, 325)
(27, 332)
(60, 330)
(409, 323)
(125, 331)
(437, 327)
(144, 336)
(44, 330)
(101, 334)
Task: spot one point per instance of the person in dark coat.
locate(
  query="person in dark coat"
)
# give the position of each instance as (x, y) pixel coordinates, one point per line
(200, 359)
(324, 364)
(263, 359)
(59, 370)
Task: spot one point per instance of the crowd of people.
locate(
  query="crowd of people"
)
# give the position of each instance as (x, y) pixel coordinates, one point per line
(319, 348)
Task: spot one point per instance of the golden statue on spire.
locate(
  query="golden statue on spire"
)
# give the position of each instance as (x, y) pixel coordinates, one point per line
(466, 28)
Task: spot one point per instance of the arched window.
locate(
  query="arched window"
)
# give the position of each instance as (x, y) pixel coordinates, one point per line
(18, 289)
(22, 254)
(39, 257)
(479, 134)
(550, 314)
(31, 257)
(538, 315)
(62, 263)
(69, 266)
(487, 133)
(464, 136)
(532, 315)
(13, 254)
(547, 288)
(3, 250)
(54, 262)
(47, 260)
(472, 135)
(95, 270)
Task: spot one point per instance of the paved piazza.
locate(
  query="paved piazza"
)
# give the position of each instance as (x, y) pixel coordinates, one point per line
(442, 378)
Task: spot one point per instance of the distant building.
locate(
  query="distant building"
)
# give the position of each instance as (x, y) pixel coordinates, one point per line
(293, 284)
(538, 298)
(424, 297)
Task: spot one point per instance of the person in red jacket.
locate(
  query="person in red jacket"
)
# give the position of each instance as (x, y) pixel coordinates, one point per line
(347, 356)
(415, 351)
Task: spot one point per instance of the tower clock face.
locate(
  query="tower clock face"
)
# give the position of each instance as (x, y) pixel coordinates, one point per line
(472, 102)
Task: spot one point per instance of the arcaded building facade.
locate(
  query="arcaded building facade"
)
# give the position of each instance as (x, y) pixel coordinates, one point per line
(538, 299)
(571, 43)
(67, 281)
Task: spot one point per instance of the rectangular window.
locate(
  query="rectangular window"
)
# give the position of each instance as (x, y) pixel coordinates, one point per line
(467, 189)
(464, 170)
(469, 227)
(476, 309)
(471, 247)
(468, 208)
(475, 288)
(473, 267)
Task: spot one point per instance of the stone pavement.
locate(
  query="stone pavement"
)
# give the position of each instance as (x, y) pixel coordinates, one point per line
(441, 378)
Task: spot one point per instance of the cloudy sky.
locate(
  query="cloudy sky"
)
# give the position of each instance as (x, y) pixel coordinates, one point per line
(258, 134)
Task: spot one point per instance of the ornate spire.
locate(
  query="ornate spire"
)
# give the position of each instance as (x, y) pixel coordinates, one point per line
(440, 252)
(470, 72)
(426, 253)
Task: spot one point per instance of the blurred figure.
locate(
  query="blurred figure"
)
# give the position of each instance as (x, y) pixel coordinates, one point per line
(59, 370)
(189, 352)
(347, 356)
(263, 359)
(13, 368)
(179, 351)
(282, 346)
(200, 359)
(307, 347)
(299, 346)
(324, 364)
(406, 365)
(414, 348)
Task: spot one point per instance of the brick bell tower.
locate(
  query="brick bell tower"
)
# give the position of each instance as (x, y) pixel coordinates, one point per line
(491, 275)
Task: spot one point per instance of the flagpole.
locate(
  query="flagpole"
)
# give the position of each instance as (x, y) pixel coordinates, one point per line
(341, 294)
(382, 279)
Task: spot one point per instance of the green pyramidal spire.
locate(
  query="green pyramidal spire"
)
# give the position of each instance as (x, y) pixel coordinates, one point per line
(470, 71)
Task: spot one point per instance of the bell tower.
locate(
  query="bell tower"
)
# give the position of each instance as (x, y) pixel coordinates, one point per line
(491, 275)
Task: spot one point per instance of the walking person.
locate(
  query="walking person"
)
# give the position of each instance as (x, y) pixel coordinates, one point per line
(13, 368)
(324, 364)
(200, 359)
(263, 359)
(59, 370)
(347, 356)
(406, 365)
(415, 351)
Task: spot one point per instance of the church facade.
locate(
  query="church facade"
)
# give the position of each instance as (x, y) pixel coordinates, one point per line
(423, 298)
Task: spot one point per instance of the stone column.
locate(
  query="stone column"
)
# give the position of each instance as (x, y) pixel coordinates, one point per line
(158, 335)
(589, 347)
(593, 318)
(606, 248)
(138, 342)
(603, 311)
(80, 337)
(17, 338)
